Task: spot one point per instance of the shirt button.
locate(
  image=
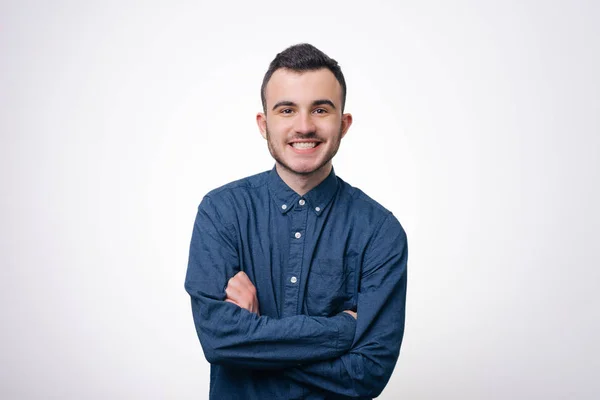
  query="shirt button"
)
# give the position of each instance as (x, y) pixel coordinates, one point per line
(293, 279)
(317, 209)
(297, 235)
(302, 202)
(283, 207)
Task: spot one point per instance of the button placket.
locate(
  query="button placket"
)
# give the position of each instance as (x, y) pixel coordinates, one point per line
(295, 259)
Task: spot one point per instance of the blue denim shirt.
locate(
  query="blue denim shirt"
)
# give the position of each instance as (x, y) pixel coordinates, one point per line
(310, 258)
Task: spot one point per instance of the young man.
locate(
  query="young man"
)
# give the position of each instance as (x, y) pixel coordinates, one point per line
(297, 279)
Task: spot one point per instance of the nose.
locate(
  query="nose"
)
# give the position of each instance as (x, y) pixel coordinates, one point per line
(304, 123)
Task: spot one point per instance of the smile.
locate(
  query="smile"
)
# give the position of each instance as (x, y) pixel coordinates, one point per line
(304, 145)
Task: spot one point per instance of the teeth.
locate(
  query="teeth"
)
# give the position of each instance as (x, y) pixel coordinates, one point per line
(304, 145)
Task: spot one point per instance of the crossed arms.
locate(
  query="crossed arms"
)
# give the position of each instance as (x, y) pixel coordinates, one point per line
(349, 354)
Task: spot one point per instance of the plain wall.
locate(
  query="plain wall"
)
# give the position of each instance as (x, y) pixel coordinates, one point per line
(476, 122)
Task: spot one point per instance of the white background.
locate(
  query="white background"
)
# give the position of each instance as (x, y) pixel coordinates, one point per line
(476, 122)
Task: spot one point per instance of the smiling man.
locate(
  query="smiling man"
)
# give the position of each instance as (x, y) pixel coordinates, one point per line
(297, 279)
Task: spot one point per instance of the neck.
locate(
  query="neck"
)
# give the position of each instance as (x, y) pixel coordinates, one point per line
(302, 184)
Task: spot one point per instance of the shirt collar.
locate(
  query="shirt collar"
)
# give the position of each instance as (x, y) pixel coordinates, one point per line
(318, 198)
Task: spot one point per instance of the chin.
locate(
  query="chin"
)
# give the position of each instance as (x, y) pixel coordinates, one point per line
(305, 169)
(297, 165)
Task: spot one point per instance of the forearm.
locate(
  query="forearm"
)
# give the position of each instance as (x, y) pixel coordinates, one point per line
(233, 336)
(351, 374)
(364, 371)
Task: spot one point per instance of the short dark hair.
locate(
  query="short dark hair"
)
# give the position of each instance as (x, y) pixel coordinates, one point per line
(299, 58)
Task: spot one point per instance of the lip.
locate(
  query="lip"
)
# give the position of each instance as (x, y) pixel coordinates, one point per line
(304, 151)
(304, 141)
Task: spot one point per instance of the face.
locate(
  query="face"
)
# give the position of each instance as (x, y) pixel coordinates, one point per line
(303, 123)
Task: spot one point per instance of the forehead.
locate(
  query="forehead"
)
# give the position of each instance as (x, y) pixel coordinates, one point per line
(303, 87)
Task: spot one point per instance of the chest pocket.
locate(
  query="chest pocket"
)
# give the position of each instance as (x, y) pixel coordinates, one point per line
(331, 287)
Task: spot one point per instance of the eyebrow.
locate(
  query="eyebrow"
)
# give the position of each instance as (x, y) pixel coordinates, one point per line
(283, 103)
(323, 102)
(319, 102)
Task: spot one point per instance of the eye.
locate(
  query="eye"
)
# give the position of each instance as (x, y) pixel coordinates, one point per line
(286, 111)
(320, 111)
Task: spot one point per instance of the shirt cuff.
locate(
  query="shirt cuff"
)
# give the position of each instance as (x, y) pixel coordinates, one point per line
(346, 325)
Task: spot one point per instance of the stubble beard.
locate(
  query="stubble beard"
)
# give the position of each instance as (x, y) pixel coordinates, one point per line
(279, 159)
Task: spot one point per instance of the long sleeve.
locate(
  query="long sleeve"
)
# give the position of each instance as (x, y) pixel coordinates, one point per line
(233, 336)
(364, 371)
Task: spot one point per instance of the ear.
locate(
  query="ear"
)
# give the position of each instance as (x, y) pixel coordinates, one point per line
(261, 121)
(346, 122)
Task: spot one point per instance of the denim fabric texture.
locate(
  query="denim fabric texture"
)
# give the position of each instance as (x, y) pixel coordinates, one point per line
(310, 258)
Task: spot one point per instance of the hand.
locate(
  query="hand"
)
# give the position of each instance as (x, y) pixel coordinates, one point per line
(241, 292)
(351, 313)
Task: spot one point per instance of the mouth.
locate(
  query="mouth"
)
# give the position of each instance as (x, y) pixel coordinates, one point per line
(304, 145)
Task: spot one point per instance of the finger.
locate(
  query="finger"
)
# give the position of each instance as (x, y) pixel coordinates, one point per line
(234, 293)
(237, 283)
(238, 280)
(238, 292)
(244, 280)
(242, 283)
(241, 295)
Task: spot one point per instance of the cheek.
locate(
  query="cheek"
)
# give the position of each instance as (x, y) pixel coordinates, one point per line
(278, 131)
(329, 128)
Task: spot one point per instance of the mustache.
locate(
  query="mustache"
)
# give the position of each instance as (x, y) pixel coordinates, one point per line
(304, 136)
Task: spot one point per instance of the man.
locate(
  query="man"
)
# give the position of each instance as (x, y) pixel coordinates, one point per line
(297, 279)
